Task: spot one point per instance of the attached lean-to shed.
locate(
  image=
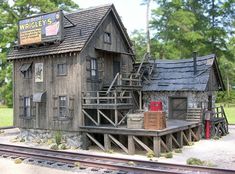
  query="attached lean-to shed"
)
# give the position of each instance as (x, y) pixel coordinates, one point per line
(184, 86)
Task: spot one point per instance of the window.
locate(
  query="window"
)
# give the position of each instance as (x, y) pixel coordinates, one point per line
(26, 70)
(93, 68)
(107, 37)
(27, 104)
(62, 69)
(63, 106)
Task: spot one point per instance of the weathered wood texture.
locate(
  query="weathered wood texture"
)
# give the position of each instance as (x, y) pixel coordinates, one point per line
(77, 80)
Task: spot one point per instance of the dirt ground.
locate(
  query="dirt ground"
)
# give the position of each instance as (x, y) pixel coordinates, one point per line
(220, 153)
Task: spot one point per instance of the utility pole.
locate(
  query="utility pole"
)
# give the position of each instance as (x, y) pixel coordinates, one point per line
(147, 26)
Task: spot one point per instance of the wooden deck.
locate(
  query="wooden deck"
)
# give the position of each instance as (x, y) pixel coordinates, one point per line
(177, 134)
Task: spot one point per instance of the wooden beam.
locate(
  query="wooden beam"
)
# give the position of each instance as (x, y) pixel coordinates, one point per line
(95, 141)
(169, 141)
(194, 135)
(118, 144)
(164, 146)
(107, 142)
(175, 141)
(180, 139)
(157, 146)
(131, 145)
(185, 138)
(142, 144)
(106, 117)
(90, 117)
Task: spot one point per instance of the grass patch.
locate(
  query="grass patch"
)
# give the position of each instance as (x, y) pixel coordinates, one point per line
(6, 116)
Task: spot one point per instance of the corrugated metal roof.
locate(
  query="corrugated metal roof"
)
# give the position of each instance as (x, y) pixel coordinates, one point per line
(86, 23)
(178, 75)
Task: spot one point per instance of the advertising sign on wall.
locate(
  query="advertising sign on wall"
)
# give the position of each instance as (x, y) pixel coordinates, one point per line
(38, 72)
(42, 28)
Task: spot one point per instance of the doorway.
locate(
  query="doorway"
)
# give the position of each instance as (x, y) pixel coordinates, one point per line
(116, 68)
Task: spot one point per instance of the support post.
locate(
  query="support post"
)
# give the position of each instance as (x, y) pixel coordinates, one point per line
(131, 145)
(140, 100)
(157, 146)
(116, 118)
(107, 142)
(180, 138)
(98, 117)
(169, 141)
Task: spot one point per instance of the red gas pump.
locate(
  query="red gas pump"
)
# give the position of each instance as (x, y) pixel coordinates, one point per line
(207, 124)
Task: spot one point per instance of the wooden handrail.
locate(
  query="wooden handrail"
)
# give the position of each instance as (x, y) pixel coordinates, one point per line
(114, 80)
(138, 71)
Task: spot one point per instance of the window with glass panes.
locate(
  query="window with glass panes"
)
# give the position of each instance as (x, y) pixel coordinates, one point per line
(27, 105)
(93, 68)
(63, 103)
(62, 69)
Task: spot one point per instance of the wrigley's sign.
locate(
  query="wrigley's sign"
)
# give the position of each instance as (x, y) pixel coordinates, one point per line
(42, 28)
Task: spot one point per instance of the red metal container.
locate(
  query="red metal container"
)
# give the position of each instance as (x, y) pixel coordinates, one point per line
(155, 106)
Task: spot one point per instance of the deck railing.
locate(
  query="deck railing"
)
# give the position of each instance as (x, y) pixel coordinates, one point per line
(125, 79)
(101, 97)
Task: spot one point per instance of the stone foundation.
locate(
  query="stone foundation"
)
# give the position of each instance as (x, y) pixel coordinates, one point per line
(70, 140)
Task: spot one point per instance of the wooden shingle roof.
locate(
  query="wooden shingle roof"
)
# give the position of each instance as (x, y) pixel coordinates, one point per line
(178, 75)
(75, 38)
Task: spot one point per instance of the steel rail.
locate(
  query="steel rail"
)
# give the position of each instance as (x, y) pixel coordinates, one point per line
(107, 162)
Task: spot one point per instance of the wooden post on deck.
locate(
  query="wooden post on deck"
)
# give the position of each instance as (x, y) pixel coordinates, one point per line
(169, 141)
(107, 142)
(157, 146)
(131, 145)
(180, 138)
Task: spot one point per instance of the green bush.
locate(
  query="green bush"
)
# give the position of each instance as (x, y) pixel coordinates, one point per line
(195, 161)
(58, 137)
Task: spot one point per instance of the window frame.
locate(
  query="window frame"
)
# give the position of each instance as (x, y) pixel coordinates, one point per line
(93, 68)
(107, 37)
(27, 107)
(62, 108)
(63, 66)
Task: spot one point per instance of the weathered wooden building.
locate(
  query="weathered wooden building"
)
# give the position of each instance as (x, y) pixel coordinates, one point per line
(50, 78)
(184, 86)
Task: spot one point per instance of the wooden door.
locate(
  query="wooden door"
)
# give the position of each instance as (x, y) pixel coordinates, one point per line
(116, 67)
(178, 108)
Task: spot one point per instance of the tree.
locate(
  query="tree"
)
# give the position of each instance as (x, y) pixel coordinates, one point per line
(9, 15)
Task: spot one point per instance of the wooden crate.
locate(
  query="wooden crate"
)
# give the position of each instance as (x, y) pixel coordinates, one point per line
(155, 120)
(135, 121)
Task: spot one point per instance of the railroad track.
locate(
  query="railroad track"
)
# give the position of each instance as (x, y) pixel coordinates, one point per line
(104, 162)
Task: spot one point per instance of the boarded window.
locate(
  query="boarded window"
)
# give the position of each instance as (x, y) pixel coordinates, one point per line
(27, 106)
(26, 70)
(107, 37)
(178, 108)
(63, 106)
(62, 69)
(93, 68)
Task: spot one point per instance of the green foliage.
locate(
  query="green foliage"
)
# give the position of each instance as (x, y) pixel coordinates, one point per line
(6, 117)
(150, 154)
(9, 15)
(169, 155)
(198, 162)
(58, 137)
(195, 161)
(178, 150)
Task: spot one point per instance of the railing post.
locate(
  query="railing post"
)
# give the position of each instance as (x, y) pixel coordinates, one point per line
(98, 117)
(97, 97)
(115, 97)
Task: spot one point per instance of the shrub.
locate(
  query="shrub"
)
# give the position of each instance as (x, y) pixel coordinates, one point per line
(178, 150)
(169, 155)
(58, 137)
(195, 161)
